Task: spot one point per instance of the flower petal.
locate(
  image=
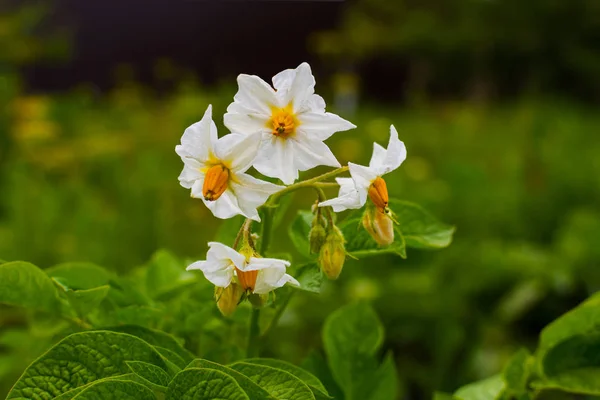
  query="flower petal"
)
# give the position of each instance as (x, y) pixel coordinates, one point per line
(348, 197)
(238, 151)
(198, 138)
(271, 274)
(190, 173)
(378, 157)
(218, 273)
(362, 176)
(219, 251)
(310, 153)
(396, 152)
(276, 159)
(252, 193)
(322, 125)
(295, 87)
(255, 94)
(246, 123)
(224, 207)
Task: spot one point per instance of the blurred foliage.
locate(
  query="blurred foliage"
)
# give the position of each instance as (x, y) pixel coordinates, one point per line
(94, 178)
(481, 47)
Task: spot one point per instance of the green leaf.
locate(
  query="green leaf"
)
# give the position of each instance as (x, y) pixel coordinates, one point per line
(23, 284)
(352, 336)
(68, 395)
(385, 381)
(165, 273)
(487, 389)
(253, 391)
(137, 315)
(86, 301)
(582, 319)
(172, 357)
(573, 365)
(82, 358)
(360, 243)
(517, 372)
(299, 231)
(351, 332)
(150, 373)
(125, 292)
(79, 275)
(279, 383)
(312, 381)
(309, 276)
(117, 390)
(420, 229)
(316, 364)
(156, 338)
(204, 384)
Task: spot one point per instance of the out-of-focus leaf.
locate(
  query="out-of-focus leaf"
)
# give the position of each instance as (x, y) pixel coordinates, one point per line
(83, 358)
(279, 383)
(87, 300)
(253, 391)
(573, 365)
(79, 275)
(316, 364)
(23, 284)
(137, 315)
(352, 335)
(204, 384)
(165, 273)
(488, 389)
(309, 276)
(517, 372)
(299, 231)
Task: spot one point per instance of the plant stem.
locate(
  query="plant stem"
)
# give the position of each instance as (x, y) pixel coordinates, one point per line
(254, 334)
(313, 182)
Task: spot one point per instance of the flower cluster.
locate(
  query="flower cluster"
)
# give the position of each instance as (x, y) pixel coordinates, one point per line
(279, 130)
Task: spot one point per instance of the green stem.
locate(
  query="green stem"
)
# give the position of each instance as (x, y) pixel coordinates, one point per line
(254, 334)
(313, 182)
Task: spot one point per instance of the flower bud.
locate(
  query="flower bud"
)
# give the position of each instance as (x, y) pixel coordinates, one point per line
(333, 253)
(317, 235)
(379, 225)
(258, 300)
(228, 298)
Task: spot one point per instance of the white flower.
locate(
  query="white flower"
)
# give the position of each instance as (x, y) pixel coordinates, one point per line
(291, 118)
(214, 170)
(366, 181)
(259, 275)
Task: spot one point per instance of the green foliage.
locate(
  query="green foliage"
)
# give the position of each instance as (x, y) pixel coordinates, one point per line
(116, 390)
(78, 276)
(203, 383)
(23, 284)
(81, 359)
(488, 389)
(279, 383)
(352, 336)
(151, 374)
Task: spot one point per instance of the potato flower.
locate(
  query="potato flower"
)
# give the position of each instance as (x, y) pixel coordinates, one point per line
(367, 181)
(291, 119)
(257, 275)
(214, 169)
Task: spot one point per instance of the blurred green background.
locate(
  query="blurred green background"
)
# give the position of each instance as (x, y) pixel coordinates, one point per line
(496, 101)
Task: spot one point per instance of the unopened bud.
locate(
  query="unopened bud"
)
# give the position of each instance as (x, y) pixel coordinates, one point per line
(317, 235)
(379, 225)
(228, 298)
(258, 300)
(333, 253)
